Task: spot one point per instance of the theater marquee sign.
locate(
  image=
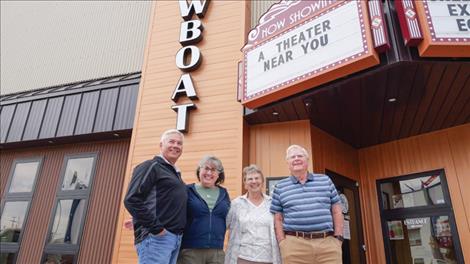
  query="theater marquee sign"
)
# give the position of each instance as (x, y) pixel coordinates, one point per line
(302, 44)
(446, 28)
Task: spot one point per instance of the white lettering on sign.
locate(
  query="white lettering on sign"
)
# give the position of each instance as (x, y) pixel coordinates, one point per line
(448, 20)
(188, 58)
(313, 47)
(191, 32)
(194, 6)
(308, 10)
(304, 12)
(273, 28)
(182, 113)
(194, 55)
(184, 87)
(415, 222)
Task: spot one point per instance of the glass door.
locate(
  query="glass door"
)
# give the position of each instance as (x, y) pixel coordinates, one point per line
(418, 221)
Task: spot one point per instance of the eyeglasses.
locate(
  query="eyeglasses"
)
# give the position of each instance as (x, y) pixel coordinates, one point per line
(209, 169)
(297, 156)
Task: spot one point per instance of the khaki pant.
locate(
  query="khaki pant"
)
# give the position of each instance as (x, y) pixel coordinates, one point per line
(296, 250)
(201, 256)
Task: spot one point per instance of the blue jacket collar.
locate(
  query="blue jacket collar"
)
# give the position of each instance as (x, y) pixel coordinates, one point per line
(222, 193)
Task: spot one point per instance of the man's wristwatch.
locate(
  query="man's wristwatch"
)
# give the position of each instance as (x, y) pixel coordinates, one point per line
(339, 237)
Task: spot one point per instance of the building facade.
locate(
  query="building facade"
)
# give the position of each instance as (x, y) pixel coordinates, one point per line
(70, 74)
(386, 118)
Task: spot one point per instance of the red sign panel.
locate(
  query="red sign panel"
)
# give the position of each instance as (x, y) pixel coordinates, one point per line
(409, 24)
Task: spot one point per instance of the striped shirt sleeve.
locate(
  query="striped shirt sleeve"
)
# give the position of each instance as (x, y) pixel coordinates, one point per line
(333, 193)
(276, 206)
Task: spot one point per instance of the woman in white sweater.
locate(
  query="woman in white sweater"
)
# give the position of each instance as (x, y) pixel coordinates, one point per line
(251, 225)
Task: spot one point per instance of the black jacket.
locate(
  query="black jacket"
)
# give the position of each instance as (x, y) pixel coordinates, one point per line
(156, 199)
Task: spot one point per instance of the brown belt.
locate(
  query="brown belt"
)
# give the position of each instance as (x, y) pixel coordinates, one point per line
(309, 235)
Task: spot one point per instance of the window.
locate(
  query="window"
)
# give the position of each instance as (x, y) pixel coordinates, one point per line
(417, 219)
(7, 257)
(68, 217)
(420, 191)
(15, 206)
(59, 259)
(271, 184)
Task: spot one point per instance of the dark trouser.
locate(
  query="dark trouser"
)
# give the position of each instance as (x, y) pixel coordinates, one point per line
(201, 256)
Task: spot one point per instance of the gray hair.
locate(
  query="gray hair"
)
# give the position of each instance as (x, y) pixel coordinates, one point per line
(214, 161)
(252, 169)
(291, 147)
(169, 132)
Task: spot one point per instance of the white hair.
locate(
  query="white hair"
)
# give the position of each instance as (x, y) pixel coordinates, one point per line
(169, 132)
(292, 147)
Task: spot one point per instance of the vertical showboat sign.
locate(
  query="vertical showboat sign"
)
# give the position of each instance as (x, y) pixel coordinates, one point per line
(188, 58)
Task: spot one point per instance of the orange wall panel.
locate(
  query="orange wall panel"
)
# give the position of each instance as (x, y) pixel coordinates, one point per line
(268, 144)
(216, 126)
(333, 154)
(448, 149)
(459, 142)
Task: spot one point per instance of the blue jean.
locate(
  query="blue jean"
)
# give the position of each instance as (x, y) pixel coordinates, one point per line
(159, 249)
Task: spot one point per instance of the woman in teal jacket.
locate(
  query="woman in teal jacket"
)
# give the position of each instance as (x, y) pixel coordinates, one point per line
(208, 205)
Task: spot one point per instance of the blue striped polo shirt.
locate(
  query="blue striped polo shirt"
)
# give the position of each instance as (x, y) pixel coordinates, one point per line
(305, 207)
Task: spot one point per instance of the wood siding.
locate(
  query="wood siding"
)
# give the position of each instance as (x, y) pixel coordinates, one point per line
(103, 205)
(448, 149)
(216, 126)
(333, 154)
(268, 144)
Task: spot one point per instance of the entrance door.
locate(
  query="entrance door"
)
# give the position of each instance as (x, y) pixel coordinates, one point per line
(418, 221)
(353, 245)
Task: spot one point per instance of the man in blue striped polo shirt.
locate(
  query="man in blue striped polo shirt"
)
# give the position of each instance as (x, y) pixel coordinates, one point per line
(307, 214)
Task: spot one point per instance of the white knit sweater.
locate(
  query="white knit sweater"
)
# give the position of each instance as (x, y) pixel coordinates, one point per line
(241, 210)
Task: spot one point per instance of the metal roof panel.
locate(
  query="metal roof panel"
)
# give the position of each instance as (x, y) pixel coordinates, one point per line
(126, 107)
(87, 113)
(69, 115)
(5, 120)
(106, 110)
(33, 125)
(92, 106)
(19, 121)
(51, 118)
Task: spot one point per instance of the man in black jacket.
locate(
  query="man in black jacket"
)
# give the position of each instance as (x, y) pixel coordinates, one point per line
(156, 199)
